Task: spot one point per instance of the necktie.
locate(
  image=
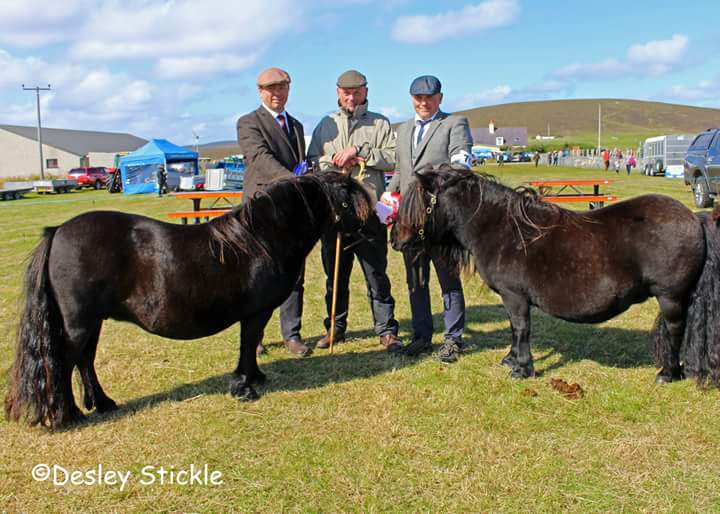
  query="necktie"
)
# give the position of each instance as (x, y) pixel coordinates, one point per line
(283, 123)
(421, 130)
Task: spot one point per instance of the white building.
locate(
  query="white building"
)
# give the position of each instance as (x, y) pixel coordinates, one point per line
(62, 149)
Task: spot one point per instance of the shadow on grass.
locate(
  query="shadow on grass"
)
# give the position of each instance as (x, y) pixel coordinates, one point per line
(609, 346)
(289, 374)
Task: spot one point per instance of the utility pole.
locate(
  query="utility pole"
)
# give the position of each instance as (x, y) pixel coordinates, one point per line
(599, 124)
(37, 90)
(197, 142)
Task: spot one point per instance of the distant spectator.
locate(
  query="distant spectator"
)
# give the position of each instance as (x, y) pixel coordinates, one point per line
(536, 158)
(606, 158)
(618, 160)
(162, 180)
(630, 163)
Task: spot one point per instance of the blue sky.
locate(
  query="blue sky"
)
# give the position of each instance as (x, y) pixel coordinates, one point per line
(177, 68)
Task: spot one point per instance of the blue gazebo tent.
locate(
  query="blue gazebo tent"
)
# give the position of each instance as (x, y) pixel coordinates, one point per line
(139, 168)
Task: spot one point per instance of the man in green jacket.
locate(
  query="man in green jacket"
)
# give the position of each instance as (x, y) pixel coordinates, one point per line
(356, 141)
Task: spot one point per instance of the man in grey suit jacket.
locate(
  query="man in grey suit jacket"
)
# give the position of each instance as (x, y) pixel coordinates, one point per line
(431, 138)
(273, 143)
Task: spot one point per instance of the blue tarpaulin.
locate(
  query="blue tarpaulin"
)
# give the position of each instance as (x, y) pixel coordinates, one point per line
(139, 168)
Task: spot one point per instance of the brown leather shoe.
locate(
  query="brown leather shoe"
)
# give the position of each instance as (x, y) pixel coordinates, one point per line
(260, 350)
(297, 348)
(325, 341)
(392, 343)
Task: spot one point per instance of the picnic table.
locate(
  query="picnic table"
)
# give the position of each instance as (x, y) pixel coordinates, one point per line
(220, 203)
(575, 191)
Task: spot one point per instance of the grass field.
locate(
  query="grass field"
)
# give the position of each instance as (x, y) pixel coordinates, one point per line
(362, 430)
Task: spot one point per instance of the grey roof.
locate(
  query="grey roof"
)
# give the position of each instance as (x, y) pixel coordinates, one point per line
(515, 136)
(80, 142)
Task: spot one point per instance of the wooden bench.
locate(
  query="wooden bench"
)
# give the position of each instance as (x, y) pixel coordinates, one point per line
(199, 215)
(595, 201)
(571, 191)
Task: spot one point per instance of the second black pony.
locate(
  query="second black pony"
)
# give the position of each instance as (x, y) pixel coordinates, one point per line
(177, 281)
(579, 266)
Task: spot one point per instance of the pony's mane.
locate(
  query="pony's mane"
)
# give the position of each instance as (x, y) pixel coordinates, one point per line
(236, 230)
(531, 216)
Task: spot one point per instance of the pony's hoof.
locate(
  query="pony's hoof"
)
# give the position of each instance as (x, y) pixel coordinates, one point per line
(520, 373)
(509, 361)
(665, 377)
(106, 405)
(244, 393)
(241, 390)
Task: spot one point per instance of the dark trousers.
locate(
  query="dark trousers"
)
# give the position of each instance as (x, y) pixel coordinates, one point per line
(417, 269)
(291, 309)
(372, 255)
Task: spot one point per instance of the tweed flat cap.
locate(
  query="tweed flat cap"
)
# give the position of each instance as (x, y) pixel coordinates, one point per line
(272, 76)
(351, 79)
(425, 85)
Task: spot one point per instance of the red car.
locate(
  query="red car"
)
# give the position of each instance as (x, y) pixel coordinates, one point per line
(89, 176)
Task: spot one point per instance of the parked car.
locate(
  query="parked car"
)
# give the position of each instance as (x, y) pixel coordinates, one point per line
(521, 157)
(95, 177)
(701, 168)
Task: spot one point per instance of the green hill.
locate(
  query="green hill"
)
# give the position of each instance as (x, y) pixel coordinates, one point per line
(624, 122)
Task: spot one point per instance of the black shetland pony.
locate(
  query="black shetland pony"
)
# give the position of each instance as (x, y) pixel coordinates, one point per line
(177, 281)
(584, 267)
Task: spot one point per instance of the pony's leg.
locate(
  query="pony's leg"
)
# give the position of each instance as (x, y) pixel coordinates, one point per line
(94, 394)
(668, 351)
(72, 411)
(518, 310)
(247, 371)
(511, 358)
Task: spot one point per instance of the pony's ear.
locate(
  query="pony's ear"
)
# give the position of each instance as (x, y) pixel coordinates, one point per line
(426, 177)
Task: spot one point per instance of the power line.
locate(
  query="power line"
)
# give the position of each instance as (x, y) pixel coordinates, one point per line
(37, 90)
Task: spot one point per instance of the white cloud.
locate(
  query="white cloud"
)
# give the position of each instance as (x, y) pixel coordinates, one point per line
(393, 113)
(79, 94)
(667, 51)
(38, 22)
(184, 37)
(33, 71)
(657, 57)
(494, 95)
(471, 18)
(703, 90)
(606, 69)
(197, 67)
(504, 94)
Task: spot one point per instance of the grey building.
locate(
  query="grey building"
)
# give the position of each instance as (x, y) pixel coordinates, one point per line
(62, 149)
(496, 136)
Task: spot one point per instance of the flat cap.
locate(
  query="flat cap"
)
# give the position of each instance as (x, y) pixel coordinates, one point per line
(425, 85)
(351, 79)
(272, 76)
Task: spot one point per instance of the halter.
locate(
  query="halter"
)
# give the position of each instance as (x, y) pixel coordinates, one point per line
(428, 212)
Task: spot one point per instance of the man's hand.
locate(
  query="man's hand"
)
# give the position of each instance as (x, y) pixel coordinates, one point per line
(346, 158)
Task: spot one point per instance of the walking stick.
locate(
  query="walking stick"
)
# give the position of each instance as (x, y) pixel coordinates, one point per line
(336, 270)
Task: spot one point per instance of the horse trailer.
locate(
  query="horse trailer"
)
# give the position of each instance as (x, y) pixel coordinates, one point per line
(665, 155)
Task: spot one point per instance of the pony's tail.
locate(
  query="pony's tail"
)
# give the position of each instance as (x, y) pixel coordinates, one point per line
(702, 326)
(36, 386)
